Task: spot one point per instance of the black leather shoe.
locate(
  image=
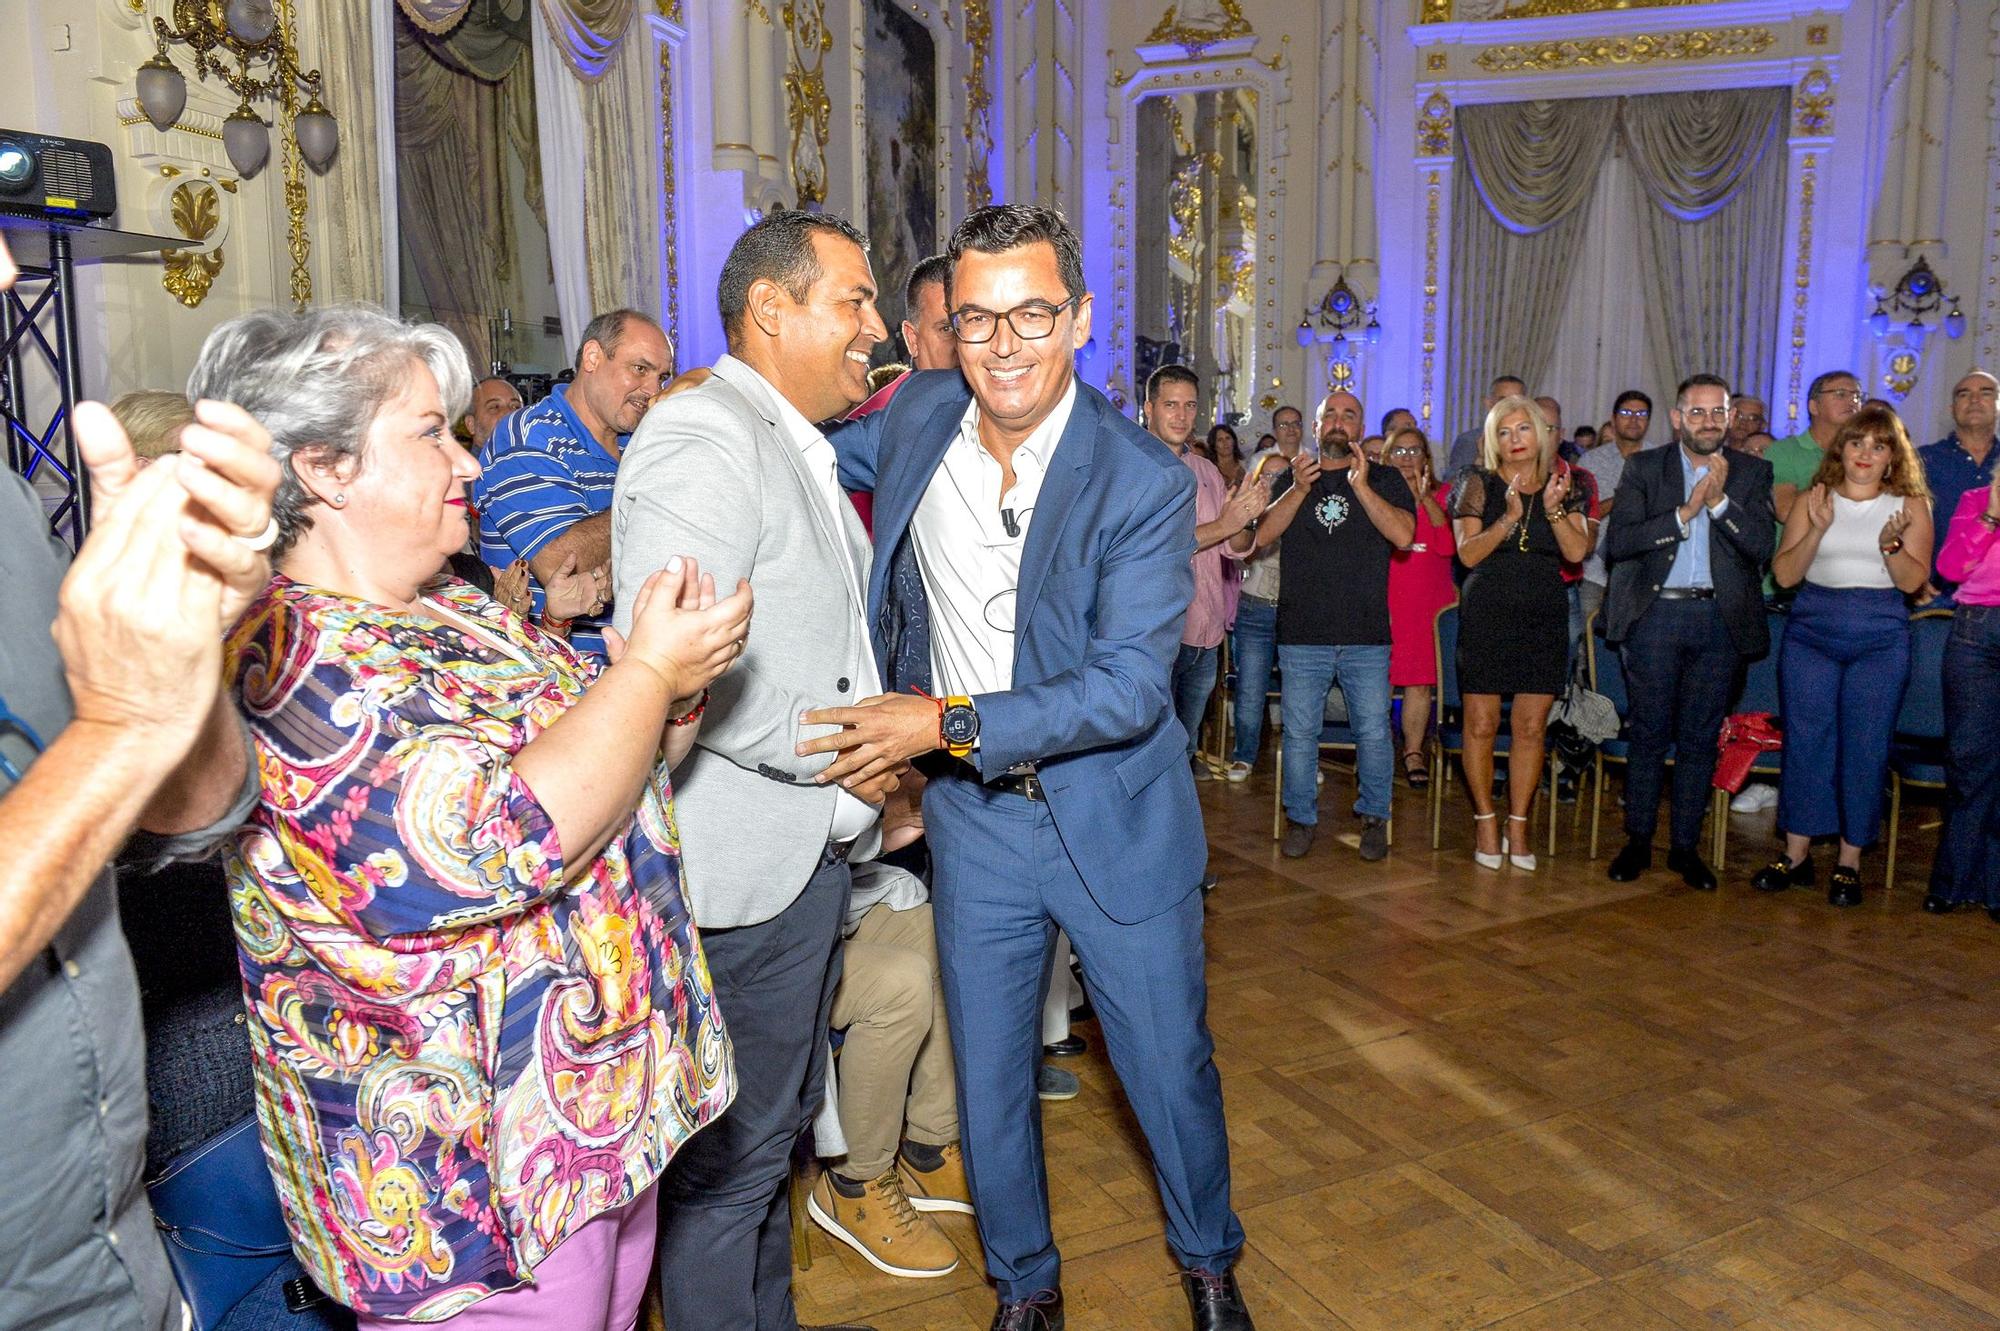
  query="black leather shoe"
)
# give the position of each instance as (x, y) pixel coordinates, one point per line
(1937, 905)
(1043, 1312)
(1844, 887)
(1993, 914)
(1214, 1301)
(1635, 859)
(1067, 1047)
(1687, 863)
(1781, 873)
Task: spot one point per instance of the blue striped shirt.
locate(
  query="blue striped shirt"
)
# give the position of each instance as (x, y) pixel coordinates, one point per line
(541, 473)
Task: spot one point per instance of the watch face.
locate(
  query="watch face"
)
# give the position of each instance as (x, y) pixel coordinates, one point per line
(961, 725)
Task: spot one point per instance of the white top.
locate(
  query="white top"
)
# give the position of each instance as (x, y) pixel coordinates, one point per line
(1850, 551)
(970, 561)
(851, 816)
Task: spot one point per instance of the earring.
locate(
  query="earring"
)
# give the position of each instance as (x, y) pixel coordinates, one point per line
(340, 500)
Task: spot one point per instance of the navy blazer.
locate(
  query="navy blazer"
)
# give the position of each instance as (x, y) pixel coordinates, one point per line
(1105, 584)
(1644, 533)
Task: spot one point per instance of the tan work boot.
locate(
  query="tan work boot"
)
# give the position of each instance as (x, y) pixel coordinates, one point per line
(883, 1227)
(943, 1188)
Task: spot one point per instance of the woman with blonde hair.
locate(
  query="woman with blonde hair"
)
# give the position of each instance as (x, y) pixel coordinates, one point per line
(1860, 541)
(1516, 518)
(153, 420)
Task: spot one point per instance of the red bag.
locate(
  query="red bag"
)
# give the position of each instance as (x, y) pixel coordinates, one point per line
(1744, 736)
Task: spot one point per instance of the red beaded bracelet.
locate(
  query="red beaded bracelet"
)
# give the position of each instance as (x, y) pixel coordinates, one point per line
(693, 714)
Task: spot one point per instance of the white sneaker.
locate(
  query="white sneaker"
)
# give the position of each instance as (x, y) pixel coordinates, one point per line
(1239, 772)
(1754, 799)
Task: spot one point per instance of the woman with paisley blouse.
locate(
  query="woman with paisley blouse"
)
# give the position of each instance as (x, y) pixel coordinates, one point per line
(479, 1015)
(1517, 517)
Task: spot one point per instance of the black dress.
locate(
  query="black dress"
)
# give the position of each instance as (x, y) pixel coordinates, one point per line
(1513, 610)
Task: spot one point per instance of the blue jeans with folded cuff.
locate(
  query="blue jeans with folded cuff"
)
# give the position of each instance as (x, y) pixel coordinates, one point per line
(1840, 682)
(1967, 868)
(1193, 681)
(1309, 675)
(1253, 646)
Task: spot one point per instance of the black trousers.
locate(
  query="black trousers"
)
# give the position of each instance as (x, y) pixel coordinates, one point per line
(1681, 670)
(725, 1247)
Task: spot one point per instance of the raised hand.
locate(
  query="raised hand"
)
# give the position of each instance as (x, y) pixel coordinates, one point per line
(687, 648)
(1245, 502)
(1891, 539)
(1305, 470)
(1993, 497)
(1819, 507)
(1359, 475)
(1555, 491)
(1515, 510)
(510, 587)
(571, 592)
(1718, 475)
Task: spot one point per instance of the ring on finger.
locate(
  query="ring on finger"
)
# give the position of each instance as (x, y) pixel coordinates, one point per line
(264, 539)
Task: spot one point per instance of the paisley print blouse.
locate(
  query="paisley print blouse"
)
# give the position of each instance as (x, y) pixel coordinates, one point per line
(465, 1046)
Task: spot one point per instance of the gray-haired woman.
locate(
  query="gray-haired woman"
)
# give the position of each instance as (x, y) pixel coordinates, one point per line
(479, 1014)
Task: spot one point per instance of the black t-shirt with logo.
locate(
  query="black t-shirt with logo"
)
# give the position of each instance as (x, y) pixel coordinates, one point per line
(1335, 587)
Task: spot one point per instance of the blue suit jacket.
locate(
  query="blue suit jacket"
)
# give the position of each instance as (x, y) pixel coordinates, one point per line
(1103, 596)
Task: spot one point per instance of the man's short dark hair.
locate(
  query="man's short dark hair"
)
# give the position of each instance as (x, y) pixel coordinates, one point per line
(1394, 412)
(480, 383)
(777, 248)
(1170, 374)
(1294, 410)
(606, 330)
(1009, 226)
(1631, 395)
(1699, 381)
(1500, 379)
(937, 268)
(1820, 381)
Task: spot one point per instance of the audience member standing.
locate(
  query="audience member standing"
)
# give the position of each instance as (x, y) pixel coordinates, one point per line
(493, 399)
(546, 475)
(1963, 460)
(1517, 518)
(1747, 416)
(1062, 797)
(1831, 398)
(1687, 540)
(1253, 643)
(736, 474)
(1420, 585)
(1631, 417)
(1333, 617)
(1466, 448)
(1859, 540)
(1967, 869)
(1221, 516)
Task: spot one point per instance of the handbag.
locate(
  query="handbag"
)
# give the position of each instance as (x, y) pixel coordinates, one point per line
(218, 1213)
(1581, 720)
(1744, 736)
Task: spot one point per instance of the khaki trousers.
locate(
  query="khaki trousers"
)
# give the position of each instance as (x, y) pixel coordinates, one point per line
(895, 1065)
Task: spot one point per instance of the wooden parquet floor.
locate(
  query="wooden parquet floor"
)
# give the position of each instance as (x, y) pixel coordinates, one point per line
(1545, 1102)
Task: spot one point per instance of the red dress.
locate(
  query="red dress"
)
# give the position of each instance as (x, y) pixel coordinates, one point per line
(1420, 585)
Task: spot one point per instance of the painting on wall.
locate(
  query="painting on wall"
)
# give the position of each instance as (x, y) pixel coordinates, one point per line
(901, 148)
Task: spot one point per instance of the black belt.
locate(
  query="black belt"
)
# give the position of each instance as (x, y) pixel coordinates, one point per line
(1027, 784)
(836, 852)
(1687, 594)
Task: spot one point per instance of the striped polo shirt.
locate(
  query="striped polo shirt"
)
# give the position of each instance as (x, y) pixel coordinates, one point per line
(542, 472)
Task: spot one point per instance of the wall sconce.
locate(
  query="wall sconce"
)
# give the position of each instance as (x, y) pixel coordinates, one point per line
(1339, 312)
(247, 32)
(1919, 292)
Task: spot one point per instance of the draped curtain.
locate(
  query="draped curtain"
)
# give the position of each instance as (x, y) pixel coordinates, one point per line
(587, 33)
(1705, 190)
(353, 236)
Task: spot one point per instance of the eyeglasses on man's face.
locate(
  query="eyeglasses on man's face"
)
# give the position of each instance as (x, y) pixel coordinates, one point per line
(1635, 413)
(1701, 415)
(1853, 395)
(1031, 321)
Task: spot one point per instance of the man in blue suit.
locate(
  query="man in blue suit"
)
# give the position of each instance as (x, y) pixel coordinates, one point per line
(1031, 579)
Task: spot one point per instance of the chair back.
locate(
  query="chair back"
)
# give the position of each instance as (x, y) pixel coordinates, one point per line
(1760, 677)
(1607, 672)
(1444, 638)
(1922, 714)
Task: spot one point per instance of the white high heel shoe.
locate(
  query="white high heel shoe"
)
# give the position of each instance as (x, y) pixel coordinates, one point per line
(1480, 857)
(1518, 861)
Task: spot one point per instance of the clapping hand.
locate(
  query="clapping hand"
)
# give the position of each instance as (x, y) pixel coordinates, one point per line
(1305, 470)
(1555, 491)
(1993, 497)
(681, 632)
(1515, 508)
(571, 593)
(1819, 507)
(1359, 475)
(1891, 539)
(1718, 476)
(1245, 502)
(510, 587)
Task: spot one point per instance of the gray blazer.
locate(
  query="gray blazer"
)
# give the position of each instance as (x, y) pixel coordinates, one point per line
(711, 473)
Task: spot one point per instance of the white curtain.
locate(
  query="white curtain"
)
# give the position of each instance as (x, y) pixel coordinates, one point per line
(1602, 346)
(559, 110)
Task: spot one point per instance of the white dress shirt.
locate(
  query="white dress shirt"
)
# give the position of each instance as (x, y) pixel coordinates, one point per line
(851, 816)
(970, 560)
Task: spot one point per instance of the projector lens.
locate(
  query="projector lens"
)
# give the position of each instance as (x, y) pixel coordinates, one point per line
(17, 169)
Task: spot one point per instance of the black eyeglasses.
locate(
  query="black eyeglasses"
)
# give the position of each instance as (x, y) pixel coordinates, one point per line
(1031, 321)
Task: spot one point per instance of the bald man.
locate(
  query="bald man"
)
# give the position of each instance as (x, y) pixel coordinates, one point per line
(493, 398)
(1963, 459)
(1337, 522)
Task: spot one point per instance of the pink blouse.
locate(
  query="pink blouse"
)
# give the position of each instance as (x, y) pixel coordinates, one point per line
(1971, 554)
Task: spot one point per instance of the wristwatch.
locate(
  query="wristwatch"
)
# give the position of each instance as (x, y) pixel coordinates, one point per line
(958, 726)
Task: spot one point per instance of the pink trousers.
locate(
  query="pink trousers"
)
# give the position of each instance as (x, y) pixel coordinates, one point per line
(593, 1281)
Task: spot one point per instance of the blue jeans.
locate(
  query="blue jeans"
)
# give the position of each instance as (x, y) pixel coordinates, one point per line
(1840, 680)
(1193, 681)
(1309, 675)
(1967, 868)
(1252, 646)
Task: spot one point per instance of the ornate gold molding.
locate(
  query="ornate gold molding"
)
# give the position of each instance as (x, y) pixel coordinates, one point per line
(196, 211)
(1802, 280)
(1812, 105)
(978, 104)
(299, 240)
(1195, 38)
(1433, 202)
(1644, 49)
(670, 254)
(1434, 126)
(808, 111)
(1444, 11)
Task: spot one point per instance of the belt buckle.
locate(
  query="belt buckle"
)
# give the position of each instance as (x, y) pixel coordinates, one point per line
(1031, 785)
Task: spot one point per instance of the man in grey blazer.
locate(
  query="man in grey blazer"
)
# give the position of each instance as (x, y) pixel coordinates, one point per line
(734, 474)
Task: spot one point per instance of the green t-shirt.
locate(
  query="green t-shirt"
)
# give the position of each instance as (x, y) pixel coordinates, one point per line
(1794, 460)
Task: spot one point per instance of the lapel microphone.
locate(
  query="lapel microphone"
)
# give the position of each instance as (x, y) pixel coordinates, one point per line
(1007, 521)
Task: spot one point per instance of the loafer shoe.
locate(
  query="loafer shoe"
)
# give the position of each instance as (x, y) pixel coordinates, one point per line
(1781, 873)
(1844, 887)
(1067, 1047)
(1052, 1083)
(1937, 905)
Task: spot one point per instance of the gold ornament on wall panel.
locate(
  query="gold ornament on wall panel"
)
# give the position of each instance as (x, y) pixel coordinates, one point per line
(1434, 126)
(978, 104)
(1444, 11)
(1644, 49)
(1812, 106)
(1194, 27)
(808, 111)
(196, 210)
